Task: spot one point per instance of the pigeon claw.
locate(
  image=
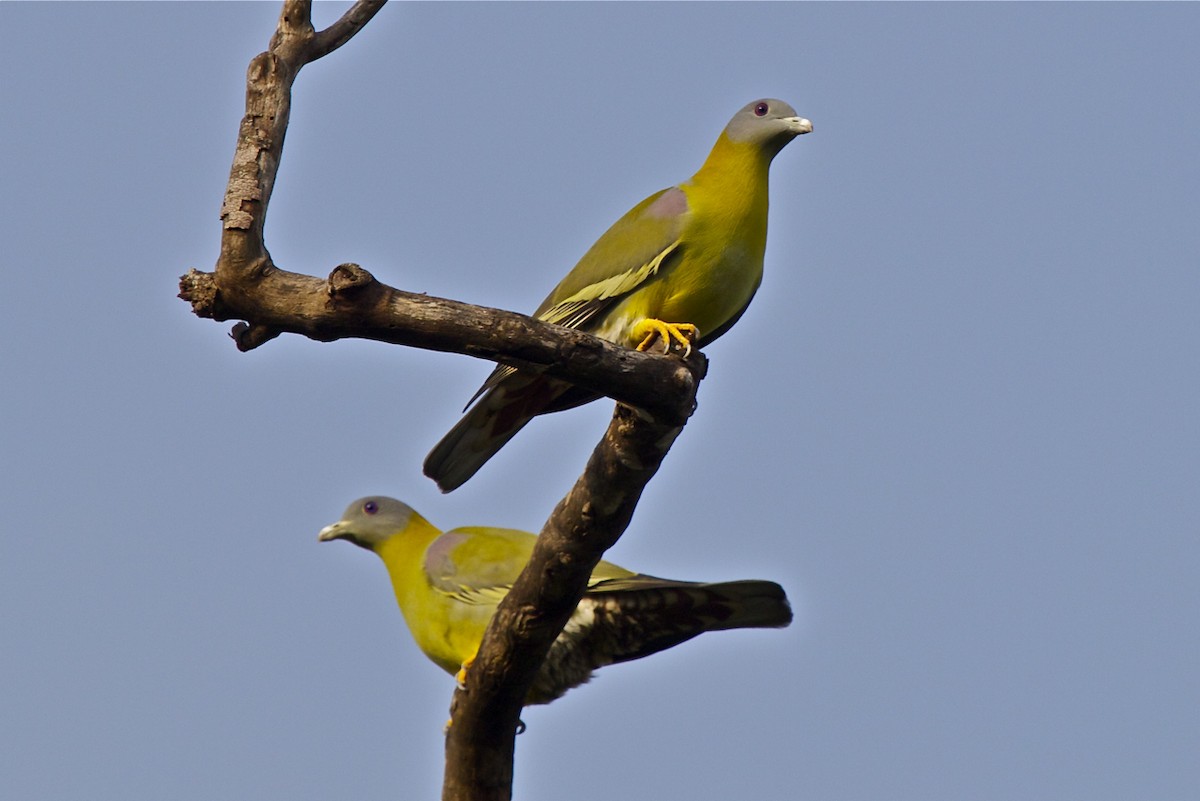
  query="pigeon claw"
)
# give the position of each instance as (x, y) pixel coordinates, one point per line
(461, 676)
(671, 334)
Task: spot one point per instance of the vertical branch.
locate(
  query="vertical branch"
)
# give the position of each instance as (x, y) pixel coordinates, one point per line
(269, 78)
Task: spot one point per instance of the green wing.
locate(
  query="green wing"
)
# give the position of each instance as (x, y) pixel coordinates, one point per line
(478, 565)
(632, 251)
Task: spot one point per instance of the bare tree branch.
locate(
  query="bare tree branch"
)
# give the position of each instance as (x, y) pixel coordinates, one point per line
(351, 303)
(260, 139)
(246, 285)
(588, 521)
(341, 31)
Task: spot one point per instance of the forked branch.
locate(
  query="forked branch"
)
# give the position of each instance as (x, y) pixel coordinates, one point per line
(246, 285)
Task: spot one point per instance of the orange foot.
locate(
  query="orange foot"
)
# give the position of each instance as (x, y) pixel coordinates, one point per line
(461, 679)
(461, 675)
(650, 329)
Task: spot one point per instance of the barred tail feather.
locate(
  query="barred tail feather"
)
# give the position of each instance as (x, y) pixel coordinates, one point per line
(644, 615)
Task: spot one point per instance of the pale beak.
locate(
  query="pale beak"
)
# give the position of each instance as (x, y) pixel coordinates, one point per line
(332, 532)
(798, 125)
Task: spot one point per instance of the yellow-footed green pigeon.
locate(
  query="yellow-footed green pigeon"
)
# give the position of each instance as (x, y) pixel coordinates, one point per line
(680, 267)
(448, 585)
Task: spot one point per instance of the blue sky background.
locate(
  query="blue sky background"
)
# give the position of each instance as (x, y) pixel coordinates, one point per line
(958, 423)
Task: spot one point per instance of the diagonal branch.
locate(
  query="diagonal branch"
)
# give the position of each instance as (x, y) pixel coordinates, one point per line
(589, 520)
(344, 29)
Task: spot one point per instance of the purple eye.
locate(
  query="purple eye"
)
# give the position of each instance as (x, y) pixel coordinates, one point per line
(761, 109)
(370, 507)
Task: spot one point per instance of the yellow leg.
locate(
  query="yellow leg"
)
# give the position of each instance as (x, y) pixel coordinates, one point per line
(461, 675)
(651, 329)
(461, 679)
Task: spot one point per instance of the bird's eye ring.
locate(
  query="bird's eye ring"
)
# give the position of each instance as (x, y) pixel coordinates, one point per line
(370, 507)
(761, 109)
